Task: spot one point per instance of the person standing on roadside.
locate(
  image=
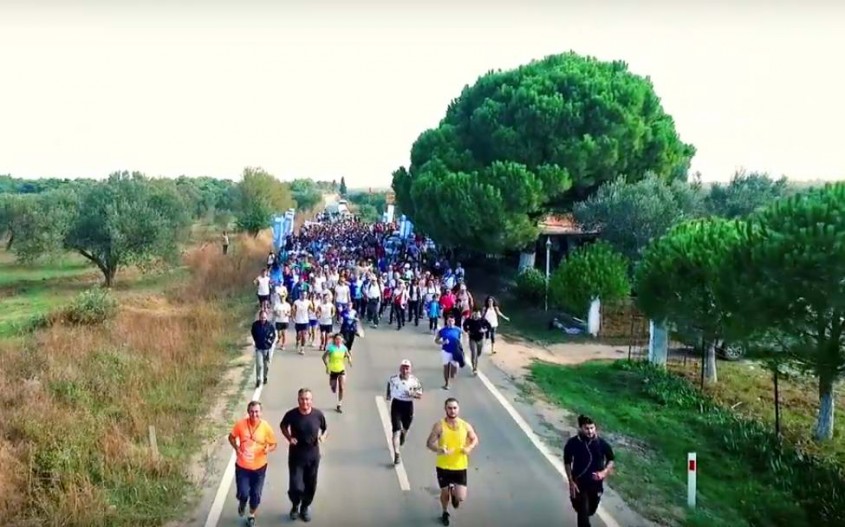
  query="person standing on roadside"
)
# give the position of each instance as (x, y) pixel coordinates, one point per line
(225, 243)
(252, 438)
(264, 337)
(305, 428)
(588, 460)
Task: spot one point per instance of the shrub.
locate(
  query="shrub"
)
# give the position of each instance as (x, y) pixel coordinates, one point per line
(591, 271)
(531, 285)
(91, 307)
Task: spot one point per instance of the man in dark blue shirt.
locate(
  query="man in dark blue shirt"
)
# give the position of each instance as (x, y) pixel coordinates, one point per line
(588, 460)
(263, 336)
(349, 327)
(451, 350)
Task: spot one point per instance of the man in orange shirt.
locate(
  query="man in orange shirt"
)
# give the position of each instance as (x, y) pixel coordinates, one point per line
(252, 438)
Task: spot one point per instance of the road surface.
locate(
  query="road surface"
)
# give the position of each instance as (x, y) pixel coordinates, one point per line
(511, 483)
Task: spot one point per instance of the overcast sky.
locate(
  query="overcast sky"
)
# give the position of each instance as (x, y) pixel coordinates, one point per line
(313, 88)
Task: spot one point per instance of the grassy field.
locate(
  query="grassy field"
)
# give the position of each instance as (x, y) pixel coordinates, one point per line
(653, 421)
(76, 401)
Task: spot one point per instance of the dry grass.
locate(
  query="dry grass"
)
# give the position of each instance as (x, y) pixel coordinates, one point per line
(76, 402)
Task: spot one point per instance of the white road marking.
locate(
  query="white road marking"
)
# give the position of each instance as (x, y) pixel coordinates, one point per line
(556, 462)
(229, 475)
(381, 404)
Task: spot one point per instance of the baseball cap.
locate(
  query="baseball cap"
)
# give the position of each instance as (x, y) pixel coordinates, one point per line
(405, 362)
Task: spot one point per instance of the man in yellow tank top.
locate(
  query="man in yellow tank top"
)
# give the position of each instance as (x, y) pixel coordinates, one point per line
(334, 358)
(452, 439)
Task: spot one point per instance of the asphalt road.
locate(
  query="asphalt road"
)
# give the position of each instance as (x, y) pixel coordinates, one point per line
(510, 482)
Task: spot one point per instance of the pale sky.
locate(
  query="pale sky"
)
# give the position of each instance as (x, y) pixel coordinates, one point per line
(321, 89)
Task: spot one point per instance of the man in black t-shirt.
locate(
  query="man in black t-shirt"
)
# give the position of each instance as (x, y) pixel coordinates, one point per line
(588, 460)
(305, 428)
(478, 329)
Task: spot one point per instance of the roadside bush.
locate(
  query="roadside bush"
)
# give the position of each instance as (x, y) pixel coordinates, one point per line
(816, 483)
(591, 271)
(531, 285)
(91, 307)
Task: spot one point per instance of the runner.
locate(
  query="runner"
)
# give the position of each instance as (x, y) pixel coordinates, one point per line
(334, 357)
(492, 314)
(325, 317)
(477, 328)
(300, 320)
(452, 439)
(451, 351)
(312, 317)
(281, 318)
(252, 438)
(350, 327)
(264, 337)
(263, 292)
(402, 389)
(343, 295)
(305, 428)
(588, 460)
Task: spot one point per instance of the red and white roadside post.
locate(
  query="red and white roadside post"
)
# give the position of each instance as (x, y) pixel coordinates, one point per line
(692, 467)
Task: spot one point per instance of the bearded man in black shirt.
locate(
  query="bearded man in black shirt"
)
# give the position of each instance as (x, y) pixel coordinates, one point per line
(588, 460)
(305, 428)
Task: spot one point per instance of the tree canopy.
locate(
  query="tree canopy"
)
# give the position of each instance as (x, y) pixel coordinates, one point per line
(678, 278)
(520, 143)
(259, 197)
(630, 215)
(746, 193)
(785, 279)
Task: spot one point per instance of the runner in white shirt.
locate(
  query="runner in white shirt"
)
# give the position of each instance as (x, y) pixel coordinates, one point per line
(312, 318)
(342, 296)
(281, 317)
(300, 321)
(325, 316)
(402, 389)
(263, 283)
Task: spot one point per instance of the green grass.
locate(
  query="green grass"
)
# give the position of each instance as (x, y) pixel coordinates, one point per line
(652, 438)
(30, 290)
(13, 274)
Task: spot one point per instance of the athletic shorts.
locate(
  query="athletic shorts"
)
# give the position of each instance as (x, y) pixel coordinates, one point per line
(281, 326)
(326, 328)
(301, 327)
(341, 306)
(446, 358)
(263, 298)
(335, 374)
(445, 477)
(313, 323)
(401, 414)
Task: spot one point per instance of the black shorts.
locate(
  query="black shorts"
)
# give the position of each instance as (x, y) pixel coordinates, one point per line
(445, 478)
(333, 376)
(281, 326)
(301, 327)
(401, 414)
(326, 328)
(263, 298)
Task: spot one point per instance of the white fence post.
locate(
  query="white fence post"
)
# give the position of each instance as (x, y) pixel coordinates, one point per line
(692, 467)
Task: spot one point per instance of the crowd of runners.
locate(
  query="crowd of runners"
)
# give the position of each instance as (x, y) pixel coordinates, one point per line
(329, 281)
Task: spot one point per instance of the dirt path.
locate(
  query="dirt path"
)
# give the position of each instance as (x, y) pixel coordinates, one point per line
(514, 357)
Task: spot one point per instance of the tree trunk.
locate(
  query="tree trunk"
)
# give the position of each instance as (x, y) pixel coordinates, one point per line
(658, 344)
(710, 363)
(527, 260)
(10, 242)
(824, 425)
(775, 376)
